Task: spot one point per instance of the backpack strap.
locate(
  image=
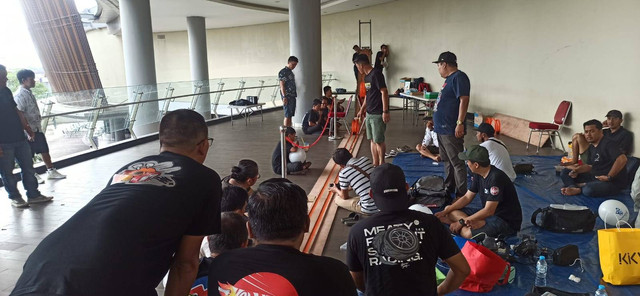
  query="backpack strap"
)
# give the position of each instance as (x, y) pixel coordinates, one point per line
(503, 145)
(359, 170)
(534, 216)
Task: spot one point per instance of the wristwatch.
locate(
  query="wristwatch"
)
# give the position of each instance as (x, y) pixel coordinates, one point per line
(461, 221)
(385, 111)
(458, 122)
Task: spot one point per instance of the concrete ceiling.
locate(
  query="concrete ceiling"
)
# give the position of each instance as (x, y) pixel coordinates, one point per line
(170, 15)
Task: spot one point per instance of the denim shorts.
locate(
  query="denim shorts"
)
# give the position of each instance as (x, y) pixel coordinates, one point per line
(290, 107)
(39, 145)
(493, 227)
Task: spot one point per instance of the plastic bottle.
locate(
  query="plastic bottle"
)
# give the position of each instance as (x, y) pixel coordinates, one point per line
(541, 272)
(601, 291)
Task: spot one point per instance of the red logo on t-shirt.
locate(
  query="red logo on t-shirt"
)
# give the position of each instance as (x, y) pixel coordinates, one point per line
(495, 190)
(259, 284)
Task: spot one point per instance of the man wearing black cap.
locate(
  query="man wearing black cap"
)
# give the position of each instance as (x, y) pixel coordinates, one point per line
(394, 252)
(498, 153)
(620, 136)
(500, 213)
(376, 107)
(449, 114)
(606, 173)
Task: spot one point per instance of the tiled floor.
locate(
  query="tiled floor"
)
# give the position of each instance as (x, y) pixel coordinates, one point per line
(22, 229)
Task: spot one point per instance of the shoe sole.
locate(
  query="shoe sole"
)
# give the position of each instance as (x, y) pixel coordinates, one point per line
(55, 178)
(20, 206)
(40, 201)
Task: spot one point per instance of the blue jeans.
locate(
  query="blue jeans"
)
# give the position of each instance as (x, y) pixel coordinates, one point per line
(21, 153)
(493, 226)
(593, 186)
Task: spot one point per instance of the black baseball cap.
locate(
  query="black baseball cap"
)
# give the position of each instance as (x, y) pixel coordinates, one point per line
(447, 57)
(487, 129)
(614, 113)
(389, 188)
(475, 153)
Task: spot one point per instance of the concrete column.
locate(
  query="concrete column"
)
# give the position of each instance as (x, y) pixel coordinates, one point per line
(198, 58)
(304, 35)
(139, 60)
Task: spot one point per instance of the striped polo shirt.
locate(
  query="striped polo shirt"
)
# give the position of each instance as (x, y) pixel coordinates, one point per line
(350, 177)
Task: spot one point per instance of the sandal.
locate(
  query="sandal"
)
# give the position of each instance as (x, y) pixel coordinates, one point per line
(391, 153)
(353, 220)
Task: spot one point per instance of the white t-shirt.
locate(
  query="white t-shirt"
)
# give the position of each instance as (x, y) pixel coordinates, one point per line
(499, 156)
(430, 138)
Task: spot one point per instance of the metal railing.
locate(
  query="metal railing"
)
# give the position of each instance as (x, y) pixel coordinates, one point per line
(94, 118)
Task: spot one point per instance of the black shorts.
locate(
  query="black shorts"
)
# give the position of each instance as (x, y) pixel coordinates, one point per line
(39, 145)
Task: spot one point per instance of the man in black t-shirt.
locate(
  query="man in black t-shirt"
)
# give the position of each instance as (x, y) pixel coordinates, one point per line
(394, 252)
(500, 213)
(14, 146)
(278, 221)
(151, 217)
(605, 174)
(381, 57)
(313, 122)
(616, 133)
(376, 108)
(297, 167)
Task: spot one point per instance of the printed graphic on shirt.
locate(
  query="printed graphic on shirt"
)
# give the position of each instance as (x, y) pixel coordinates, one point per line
(367, 85)
(495, 190)
(259, 284)
(148, 173)
(396, 244)
(435, 106)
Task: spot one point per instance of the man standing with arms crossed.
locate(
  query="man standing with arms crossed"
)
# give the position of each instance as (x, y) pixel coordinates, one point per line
(449, 114)
(376, 107)
(28, 105)
(288, 89)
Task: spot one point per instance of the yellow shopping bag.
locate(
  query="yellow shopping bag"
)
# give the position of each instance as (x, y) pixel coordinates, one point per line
(619, 250)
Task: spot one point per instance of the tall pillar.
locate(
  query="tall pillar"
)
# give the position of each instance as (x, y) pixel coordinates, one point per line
(304, 35)
(139, 60)
(198, 58)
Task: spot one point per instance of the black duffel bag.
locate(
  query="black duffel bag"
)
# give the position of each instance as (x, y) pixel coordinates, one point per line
(429, 191)
(565, 218)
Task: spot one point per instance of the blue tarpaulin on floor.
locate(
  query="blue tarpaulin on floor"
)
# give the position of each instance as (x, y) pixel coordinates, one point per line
(538, 190)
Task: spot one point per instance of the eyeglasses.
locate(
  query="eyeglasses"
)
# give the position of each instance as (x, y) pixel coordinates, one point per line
(210, 140)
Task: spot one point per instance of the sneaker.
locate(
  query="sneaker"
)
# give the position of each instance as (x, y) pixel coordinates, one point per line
(18, 202)
(53, 174)
(39, 199)
(39, 179)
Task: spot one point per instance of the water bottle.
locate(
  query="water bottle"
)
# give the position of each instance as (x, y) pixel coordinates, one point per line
(601, 291)
(541, 272)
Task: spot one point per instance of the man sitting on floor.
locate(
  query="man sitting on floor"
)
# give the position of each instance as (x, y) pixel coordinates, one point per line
(500, 213)
(313, 122)
(429, 147)
(354, 173)
(498, 153)
(297, 167)
(394, 252)
(606, 173)
(616, 133)
(278, 220)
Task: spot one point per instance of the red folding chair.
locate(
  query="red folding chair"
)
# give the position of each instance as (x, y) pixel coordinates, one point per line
(340, 116)
(551, 129)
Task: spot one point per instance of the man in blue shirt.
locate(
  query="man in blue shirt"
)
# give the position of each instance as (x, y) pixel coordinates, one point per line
(288, 89)
(449, 114)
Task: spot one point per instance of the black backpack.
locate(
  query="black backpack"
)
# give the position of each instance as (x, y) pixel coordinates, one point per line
(429, 191)
(565, 218)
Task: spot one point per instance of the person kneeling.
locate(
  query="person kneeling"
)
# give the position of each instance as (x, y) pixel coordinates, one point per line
(313, 122)
(297, 167)
(429, 147)
(500, 214)
(605, 175)
(354, 173)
